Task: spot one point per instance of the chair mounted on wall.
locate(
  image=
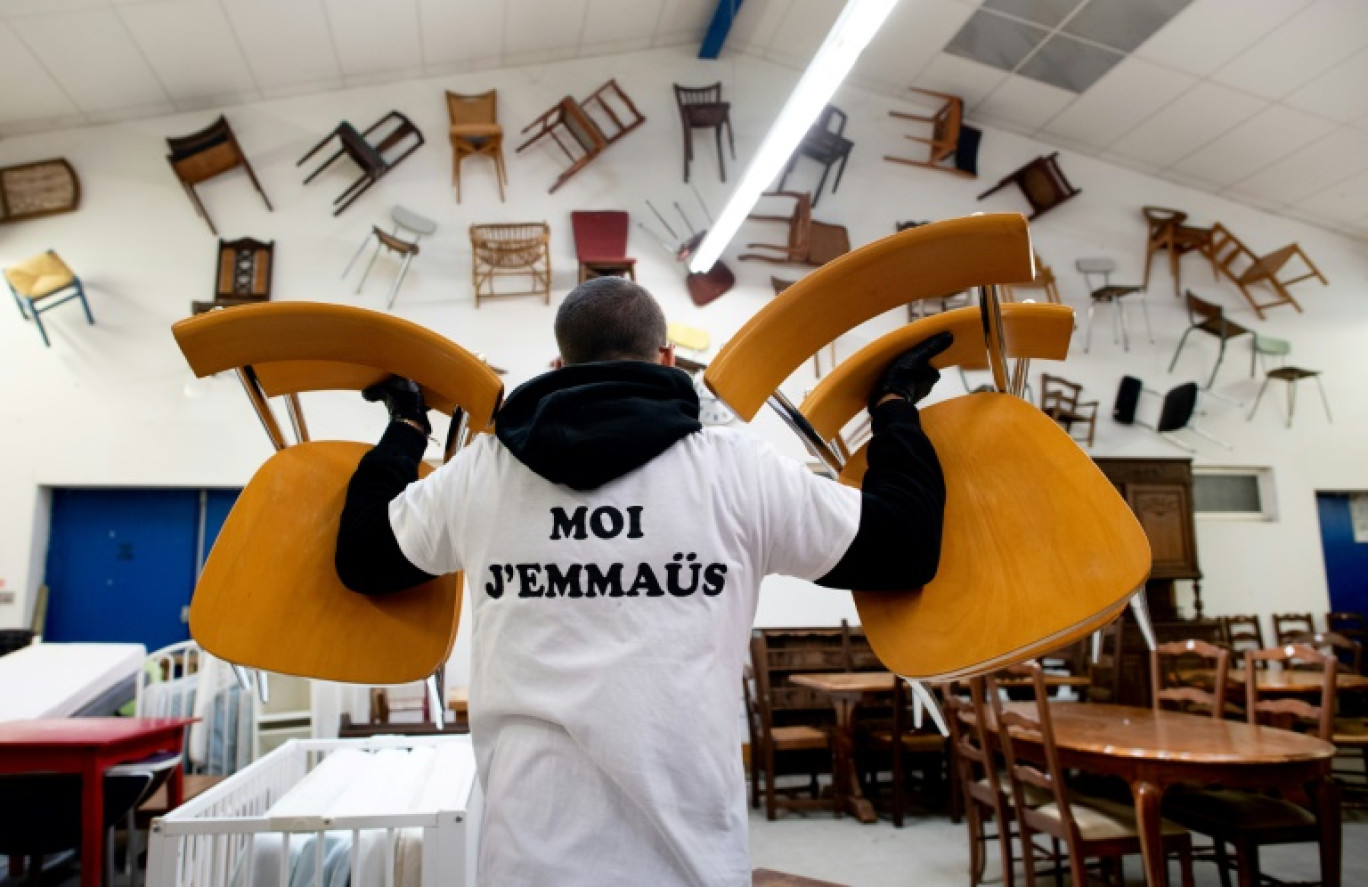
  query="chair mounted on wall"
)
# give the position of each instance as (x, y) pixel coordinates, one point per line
(1245, 268)
(1011, 581)
(202, 155)
(1176, 409)
(1042, 183)
(950, 140)
(269, 596)
(378, 149)
(592, 124)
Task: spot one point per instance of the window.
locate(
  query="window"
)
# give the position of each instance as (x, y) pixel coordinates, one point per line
(1234, 493)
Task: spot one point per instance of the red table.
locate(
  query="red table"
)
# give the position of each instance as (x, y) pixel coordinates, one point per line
(89, 746)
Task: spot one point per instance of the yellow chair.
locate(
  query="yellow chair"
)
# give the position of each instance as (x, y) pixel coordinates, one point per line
(35, 282)
(1039, 548)
(269, 596)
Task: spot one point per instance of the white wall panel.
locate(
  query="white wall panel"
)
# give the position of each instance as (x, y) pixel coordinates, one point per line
(191, 47)
(914, 34)
(1340, 93)
(1131, 91)
(1023, 102)
(1302, 48)
(94, 58)
(1320, 165)
(1196, 117)
(373, 39)
(41, 96)
(1265, 138)
(534, 26)
(285, 43)
(616, 21)
(953, 75)
(1209, 33)
(459, 30)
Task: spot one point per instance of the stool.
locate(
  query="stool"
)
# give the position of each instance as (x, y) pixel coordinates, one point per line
(39, 279)
(1112, 294)
(1267, 346)
(403, 218)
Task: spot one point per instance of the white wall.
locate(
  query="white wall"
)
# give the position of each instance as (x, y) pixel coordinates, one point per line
(114, 404)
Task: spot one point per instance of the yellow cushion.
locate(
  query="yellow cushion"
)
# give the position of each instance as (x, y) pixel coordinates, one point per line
(690, 337)
(40, 276)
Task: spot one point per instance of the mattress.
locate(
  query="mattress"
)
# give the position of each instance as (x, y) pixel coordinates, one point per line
(63, 680)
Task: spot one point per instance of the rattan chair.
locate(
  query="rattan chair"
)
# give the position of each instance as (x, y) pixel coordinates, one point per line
(514, 251)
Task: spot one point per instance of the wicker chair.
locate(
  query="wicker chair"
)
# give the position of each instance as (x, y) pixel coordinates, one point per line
(514, 250)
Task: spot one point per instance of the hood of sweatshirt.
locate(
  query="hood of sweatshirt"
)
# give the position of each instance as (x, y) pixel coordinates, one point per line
(588, 424)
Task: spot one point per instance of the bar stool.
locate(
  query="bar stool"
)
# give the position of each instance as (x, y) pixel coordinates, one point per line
(1278, 349)
(403, 218)
(1112, 294)
(38, 280)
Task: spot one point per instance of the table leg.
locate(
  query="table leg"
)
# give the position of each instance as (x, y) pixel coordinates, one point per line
(1325, 798)
(92, 824)
(846, 782)
(1148, 798)
(175, 790)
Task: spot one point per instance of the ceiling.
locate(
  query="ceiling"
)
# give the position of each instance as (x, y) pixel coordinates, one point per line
(1261, 101)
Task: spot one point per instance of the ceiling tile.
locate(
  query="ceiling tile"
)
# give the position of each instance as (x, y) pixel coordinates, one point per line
(536, 26)
(967, 79)
(613, 21)
(1026, 103)
(1264, 138)
(371, 40)
(1302, 48)
(1129, 92)
(93, 57)
(41, 97)
(756, 24)
(1043, 12)
(190, 46)
(1210, 33)
(1314, 168)
(1069, 64)
(685, 17)
(285, 43)
(802, 31)
(1190, 121)
(913, 36)
(1343, 202)
(996, 41)
(1123, 24)
(1339, 93)
(459, 30)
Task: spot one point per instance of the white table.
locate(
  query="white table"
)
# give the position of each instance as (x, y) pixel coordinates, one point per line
(62, 680)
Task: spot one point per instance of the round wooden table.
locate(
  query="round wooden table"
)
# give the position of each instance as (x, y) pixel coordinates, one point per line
(1294, 681)
(1152, 750)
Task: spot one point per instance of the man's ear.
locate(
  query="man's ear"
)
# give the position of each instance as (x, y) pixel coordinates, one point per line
(557, 363)
(667, 356)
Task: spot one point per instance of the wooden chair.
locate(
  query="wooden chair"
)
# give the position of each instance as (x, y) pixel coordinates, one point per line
(1207, 317)
(1245, 268)
(1088, 827)
(378, 149)
(269, 596)
(42, 283)
(1167, 233)
(701, 107)
(1059, 398)
(203, 155)
(591, 125)
(784, 735)
(825, 145)
(1351, 625)
(779, 284)
(515, 250)
(39, 189)
(809, 242)
(1288, 625)
(1278, 350)
(1247, 820)
(405, 220)
(1243, 633)
(601, 244)
(1169, 682)
(950, 138)
(1042, 183)
(1049, 539)
(906, 747)
(1106, 661)
(1348, 652)
(475, 132)
(245, 266)
(1097, 274)
(1044, 280)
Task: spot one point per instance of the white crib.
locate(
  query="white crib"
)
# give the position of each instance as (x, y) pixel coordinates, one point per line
(388, 811)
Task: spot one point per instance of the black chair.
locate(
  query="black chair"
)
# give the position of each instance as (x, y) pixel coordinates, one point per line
(824, 145)
(1178, 407)
(395, 139)
(701, 107)
(1209, 318)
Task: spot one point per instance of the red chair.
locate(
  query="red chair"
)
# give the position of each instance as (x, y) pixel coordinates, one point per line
(601, 244)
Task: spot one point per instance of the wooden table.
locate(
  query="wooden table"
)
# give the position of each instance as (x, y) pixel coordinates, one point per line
(89, 746)
(847, 690)
(1152, 750)
(1296, 681)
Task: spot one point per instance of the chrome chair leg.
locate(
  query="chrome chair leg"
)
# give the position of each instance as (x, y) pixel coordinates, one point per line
(369, 265)
(394, 290)
(1087, 336)
(356, 255)
(1139, 605)
(436, 695)
(1182, 340)
(1144, 309)
(263, 686)
(1324, 399)
(1259, 397)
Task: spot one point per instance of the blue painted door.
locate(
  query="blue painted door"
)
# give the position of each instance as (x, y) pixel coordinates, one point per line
(121, 564)
(1346, 561)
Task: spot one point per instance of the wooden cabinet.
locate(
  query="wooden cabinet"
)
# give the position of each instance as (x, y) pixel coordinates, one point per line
(1159, 491)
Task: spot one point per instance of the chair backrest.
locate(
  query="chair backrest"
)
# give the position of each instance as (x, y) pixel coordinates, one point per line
(1200, 309)
(1101, 266)
(1127, 399)
(1352, 625)
(245, 267)
(1286, 625)
(269, 596)
(1179, 404)
(1162, 221)
(1348, 651)
(968, 723)
(1170, 682)
(686, 96)
(1058, 394)
(920, 263)
(600, 233)
(831, 114)
(1286, 712)
(215, 133)
(480, 108)
(1034, 720)
(1243, 632)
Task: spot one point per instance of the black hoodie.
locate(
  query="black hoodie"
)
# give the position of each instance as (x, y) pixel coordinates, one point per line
(588, 424)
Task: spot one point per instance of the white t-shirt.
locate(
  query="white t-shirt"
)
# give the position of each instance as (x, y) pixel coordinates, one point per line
(611, 628)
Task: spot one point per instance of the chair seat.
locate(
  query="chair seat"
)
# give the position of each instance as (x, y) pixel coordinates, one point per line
(1221, 328)
(827, 242)
(708, 115)
(1350, 731)
(915, 743)
(798, 736)
(1292, 374)
(1224, 811)
(1034, 795)
(1101, 820)
(1108, 293)
(40, 276)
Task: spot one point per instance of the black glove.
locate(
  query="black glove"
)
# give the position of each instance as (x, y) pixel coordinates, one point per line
(911, 374)
(403, 398)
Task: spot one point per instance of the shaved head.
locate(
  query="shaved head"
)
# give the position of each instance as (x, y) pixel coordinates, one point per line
(609, 318)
